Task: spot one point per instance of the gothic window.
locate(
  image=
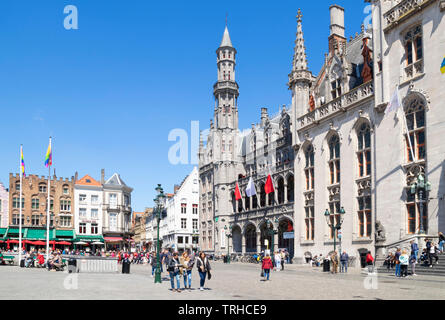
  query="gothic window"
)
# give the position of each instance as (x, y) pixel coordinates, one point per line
(336, 88)
(247, 201)
(254, 202)
(413, 45)
(262, 196)
(310, 223)
(280, 191)
(364, 216)
(229, 76)
(309, 168)
(334, 159)
(290, 189)
(415, 119)
(364, 150)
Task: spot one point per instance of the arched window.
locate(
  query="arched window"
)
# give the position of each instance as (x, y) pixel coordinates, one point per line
(309, 167)
(290, 189)
(364, 150)
(334, 159)
(280, 191)
(262, 196)
(413, 45)
(415, 120)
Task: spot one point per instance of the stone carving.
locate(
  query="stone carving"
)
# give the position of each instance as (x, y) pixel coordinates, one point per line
(380, 234)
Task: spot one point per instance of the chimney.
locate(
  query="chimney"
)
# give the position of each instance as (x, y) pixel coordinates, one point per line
(76, 176)
(102, 176)
(175, 189)
(264, 117)
(337, 28)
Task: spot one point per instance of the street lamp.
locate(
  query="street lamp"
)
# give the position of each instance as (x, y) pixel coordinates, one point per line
(159, 208)
(421, 186)
(271, 232)
(333, 224)
(229, 235)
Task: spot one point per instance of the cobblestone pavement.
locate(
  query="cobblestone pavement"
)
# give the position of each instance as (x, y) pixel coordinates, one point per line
(229, 282)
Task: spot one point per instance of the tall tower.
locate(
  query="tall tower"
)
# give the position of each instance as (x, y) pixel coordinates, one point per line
(300, 78)
(226, 90)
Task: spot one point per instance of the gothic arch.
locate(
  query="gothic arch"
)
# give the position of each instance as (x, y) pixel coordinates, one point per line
(415, 95)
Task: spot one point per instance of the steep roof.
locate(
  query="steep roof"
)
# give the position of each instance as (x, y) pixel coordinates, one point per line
(226, 42)
(116, 180)
(88, 181)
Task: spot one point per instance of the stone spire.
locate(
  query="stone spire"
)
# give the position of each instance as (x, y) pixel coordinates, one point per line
(226, 42)
(300, 58)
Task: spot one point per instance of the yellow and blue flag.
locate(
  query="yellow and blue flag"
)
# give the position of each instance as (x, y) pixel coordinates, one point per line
(22, 163)
(49, 156)
(442, 67)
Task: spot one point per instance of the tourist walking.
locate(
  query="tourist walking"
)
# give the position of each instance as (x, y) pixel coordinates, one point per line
(397, 261)
(389, 261)
(433, 254)
(277, 261)
(441, 241)
(414, 249)
(413, 262)
(404, 261)
(187, 266)
(334, 260)
(283, 259)
(266, 266)
(153, 262)
(203, 266)
(173, 269)
(344, 258)
(370, 262)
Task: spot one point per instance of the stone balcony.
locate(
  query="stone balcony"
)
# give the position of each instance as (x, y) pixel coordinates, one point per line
(266, 212)
(336, 106)
(402, 11)
(224, 85)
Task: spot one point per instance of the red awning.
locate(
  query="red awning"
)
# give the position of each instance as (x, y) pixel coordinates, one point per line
(64, 243)
(39, 243)
(113, 239)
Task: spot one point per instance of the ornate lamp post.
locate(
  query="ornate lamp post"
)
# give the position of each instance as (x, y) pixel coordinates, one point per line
(422, 188)
(271, 232)
(229, 235)
(333, 225)
(159, 208)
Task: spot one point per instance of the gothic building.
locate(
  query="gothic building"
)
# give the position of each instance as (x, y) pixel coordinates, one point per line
(338, 157)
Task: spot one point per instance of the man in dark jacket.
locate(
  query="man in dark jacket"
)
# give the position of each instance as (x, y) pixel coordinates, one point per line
(344, 258)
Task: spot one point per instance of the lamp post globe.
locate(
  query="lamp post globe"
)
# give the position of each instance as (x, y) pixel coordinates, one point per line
(159, 207)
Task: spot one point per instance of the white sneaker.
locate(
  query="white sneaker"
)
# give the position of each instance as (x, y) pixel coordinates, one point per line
(201, 289)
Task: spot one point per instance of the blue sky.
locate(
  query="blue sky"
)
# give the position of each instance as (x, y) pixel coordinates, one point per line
(110, 92)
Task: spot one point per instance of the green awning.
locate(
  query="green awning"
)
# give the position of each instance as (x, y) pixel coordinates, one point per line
(38, 234)
(65, 234)
(3, 231)
(13, 232)
(80, 237)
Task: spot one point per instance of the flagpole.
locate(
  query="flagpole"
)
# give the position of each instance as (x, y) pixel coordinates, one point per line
(408, 136)
(20, 205)
(48, 207)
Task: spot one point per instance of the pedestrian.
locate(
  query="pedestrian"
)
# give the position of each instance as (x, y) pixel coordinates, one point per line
(433, 254)
(441, 241)
(404, 261)
(397, 262)
(344, 258)
(283, 259)
(389, 261)
(334, 260)
(413, 262)
(173, 269)
(277, 261)
(266, 266)
(187, 266)
(370, 262)
(414, 249)
(153, 262)
(203, 266)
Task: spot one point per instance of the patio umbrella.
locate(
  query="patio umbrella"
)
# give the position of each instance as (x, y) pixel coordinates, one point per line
(81, 243)
(39, 243)
(97, 242)
(64, 243)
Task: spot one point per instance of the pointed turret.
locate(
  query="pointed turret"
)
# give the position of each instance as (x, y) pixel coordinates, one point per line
(226, 42)
(300, 58)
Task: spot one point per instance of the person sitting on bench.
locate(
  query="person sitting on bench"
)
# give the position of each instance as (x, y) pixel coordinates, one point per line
(57, 262)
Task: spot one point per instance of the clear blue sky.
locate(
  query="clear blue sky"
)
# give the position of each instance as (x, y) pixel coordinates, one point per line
(110, 92)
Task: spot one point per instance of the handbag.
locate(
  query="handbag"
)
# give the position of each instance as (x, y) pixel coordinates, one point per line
(210, 275)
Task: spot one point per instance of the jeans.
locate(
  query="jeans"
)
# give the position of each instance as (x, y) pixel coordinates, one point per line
(416, 254)
(267, 273)
(441, 243)
(153, 269)
(202, 276)
(398, 270)
(174, 275)
(404, 270)
(187, 276)
(344, 266)
(278, 265)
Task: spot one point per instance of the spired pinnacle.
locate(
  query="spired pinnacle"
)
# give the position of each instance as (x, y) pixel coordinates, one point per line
(300, 59)
(226, 42)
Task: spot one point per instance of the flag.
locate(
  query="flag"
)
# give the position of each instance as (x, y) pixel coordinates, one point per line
(442, 67)
(22, 163)
(237, 193)
(269, 185)
(251, 190)
(394, 104)
(290, 228)
(49, 156)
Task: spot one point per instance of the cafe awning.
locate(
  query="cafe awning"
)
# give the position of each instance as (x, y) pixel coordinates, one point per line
(113, 239)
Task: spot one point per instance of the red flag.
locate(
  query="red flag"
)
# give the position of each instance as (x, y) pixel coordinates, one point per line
(269, 185)
(290, 228)
(237, 193)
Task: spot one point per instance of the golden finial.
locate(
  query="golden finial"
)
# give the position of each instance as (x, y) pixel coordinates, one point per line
(299, 16)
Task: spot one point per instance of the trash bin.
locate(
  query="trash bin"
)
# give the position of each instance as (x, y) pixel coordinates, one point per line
(125, 266)
(326, 265)
(22, 263)
(72, 265)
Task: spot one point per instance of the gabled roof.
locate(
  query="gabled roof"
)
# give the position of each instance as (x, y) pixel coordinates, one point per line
(226, 42)
(88, 181)
(116, 180)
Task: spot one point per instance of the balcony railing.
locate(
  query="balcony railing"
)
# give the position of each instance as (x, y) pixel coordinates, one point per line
(335, 106)
(403, 10)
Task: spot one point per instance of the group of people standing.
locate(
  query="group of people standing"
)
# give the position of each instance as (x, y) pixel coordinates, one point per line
(182, 266)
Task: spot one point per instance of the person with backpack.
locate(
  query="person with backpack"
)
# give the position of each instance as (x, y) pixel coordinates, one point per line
(404, 261)
(344, 258)
(266, 266)
(397, 262)
(203, 266)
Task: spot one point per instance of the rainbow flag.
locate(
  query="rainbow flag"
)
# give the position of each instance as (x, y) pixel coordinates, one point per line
(22, 163)
(49, 156)
(442, 68)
